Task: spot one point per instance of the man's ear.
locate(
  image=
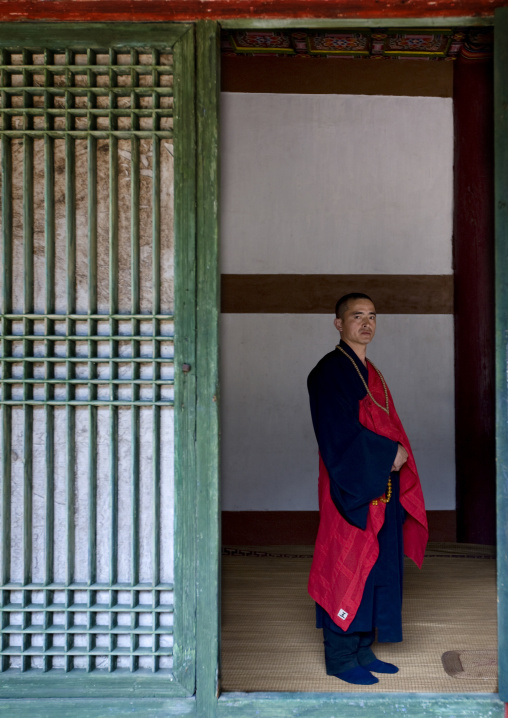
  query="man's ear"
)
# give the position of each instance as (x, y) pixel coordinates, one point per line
(338, 324)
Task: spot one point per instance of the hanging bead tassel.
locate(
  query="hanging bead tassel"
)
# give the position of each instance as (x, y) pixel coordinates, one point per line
(385, 499)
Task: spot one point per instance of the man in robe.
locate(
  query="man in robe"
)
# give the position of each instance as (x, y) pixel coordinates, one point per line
(370, 502)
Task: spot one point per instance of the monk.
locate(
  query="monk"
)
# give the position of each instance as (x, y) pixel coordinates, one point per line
(370, 501)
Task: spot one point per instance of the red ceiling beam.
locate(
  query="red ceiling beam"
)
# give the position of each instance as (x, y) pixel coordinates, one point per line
(181, 10)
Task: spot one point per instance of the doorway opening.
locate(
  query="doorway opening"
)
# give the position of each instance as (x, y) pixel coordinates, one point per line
(337, 176)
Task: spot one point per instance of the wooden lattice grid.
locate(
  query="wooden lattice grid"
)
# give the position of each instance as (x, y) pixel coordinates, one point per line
(86, 359)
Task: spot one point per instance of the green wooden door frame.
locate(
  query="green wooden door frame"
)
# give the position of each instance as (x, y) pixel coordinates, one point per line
(197, 547)
(275, 705)
(501, 260)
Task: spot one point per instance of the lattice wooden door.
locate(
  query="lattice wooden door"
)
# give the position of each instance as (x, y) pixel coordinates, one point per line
(88, 138)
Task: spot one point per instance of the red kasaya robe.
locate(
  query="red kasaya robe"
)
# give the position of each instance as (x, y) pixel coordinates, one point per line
(345, 554)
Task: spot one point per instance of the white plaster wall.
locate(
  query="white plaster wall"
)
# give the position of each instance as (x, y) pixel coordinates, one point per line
(269, 453)
(336, 184)
(332, 184)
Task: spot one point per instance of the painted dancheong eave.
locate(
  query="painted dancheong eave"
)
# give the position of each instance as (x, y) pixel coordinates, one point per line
(181, 10)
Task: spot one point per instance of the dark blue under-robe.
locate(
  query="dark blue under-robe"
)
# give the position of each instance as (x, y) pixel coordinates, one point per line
(359, 463)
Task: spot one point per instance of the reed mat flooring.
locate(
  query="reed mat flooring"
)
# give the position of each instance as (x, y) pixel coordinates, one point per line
(269, 642)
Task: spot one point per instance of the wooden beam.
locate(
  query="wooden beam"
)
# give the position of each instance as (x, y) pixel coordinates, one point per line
(290, 75)
(473, 261)
(299, 528)
(178, 10)
(318, 293)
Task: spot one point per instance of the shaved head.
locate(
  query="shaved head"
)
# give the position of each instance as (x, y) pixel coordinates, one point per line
(342, 305)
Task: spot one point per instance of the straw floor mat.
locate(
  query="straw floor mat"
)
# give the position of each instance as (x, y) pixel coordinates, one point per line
(269, 642)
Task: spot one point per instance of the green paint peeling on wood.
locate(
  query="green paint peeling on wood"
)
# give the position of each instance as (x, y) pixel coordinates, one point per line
(93, 708)
(208, 500)
(55, 684)
(312, 23)
(92, 35)
(185, 364)
(343, 705)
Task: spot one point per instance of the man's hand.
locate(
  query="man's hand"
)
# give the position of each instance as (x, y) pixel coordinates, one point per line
(400, 458)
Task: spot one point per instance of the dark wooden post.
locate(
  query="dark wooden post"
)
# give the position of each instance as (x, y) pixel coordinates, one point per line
(474, 300)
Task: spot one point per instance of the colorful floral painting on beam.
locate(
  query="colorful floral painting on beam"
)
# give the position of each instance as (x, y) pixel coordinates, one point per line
(381, 44)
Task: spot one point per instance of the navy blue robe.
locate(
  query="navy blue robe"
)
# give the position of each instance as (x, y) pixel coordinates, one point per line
(359, 463)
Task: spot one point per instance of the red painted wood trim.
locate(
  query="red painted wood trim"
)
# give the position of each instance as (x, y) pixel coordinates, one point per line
(293, 528)
(474, 301)
(180, 10)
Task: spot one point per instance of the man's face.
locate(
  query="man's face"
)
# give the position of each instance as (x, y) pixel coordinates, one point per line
(358, 325)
